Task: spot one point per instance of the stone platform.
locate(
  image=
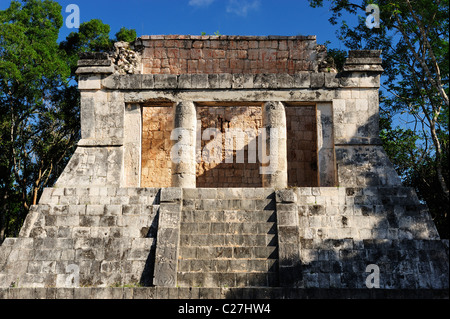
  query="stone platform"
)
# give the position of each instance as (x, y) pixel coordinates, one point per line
(194, 293)
(291, 243)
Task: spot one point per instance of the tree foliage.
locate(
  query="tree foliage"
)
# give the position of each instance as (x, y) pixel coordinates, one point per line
(413, 37)
(39, 101)
(127, 35)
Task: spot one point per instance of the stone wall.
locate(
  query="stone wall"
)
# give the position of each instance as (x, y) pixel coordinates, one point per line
(302, 145)
(93, 165)
(106, 235)
(230, 171)
(327, 237)
(348, 147)
(302, 157)
(156, 166)
(179, 54)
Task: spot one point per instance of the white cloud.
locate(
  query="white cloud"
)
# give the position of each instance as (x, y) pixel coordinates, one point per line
(200, 3)
(242, 7)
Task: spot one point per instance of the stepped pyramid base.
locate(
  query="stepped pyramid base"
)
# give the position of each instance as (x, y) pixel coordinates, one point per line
(226, 243)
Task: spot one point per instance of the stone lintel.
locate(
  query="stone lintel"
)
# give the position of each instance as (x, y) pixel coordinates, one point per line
(301, 80)
(95, 70)
(93, 62)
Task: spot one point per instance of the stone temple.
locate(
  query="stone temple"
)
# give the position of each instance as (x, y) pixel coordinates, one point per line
(142, 210)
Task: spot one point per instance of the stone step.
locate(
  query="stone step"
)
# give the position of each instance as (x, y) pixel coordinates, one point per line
(228, 216)
(98, 221)
(227, 228)
(220, 252)
(227, 265)
(5, 250)
(228, 193)
(62, 280)
(47, 262)
(95, 209)
(227, 240)
(91, 232)
(229, 279)
(100, 196)
(229, 204)
(66, 249)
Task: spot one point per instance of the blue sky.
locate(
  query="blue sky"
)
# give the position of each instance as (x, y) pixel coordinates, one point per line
(229, 17)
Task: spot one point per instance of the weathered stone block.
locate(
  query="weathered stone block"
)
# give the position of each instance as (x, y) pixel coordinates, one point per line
(285, 81)
(165, 274)
(225, 80)
(184, 81)
(147, 81)
(213, 81)
(165, 81)
(331, 80)
(242, 81)
(286, 196)
(349, 80)
(302, 80)
(172, 194)
(287, 218)
(317, 80)
(131, 82)
(288, 255)
(199, 81)
(89, 82)
(264, 81)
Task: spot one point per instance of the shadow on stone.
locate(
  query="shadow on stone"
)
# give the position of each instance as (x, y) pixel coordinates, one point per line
(146, 279)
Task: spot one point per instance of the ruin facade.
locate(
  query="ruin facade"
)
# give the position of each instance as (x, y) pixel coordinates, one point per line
(281, 180)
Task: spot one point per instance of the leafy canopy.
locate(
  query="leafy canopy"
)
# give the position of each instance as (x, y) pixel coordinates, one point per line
(39, 100)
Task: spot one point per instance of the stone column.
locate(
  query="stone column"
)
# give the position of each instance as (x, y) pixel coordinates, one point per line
(274, 145)
(325, 145)
(132, 146)
(183, 150)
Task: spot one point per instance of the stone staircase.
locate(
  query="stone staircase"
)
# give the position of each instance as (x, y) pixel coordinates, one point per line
(229, 241)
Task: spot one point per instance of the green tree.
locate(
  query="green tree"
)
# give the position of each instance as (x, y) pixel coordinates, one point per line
(413, 37)
(92, 36)
(31, 71)
(39, 101)
(126, 35)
